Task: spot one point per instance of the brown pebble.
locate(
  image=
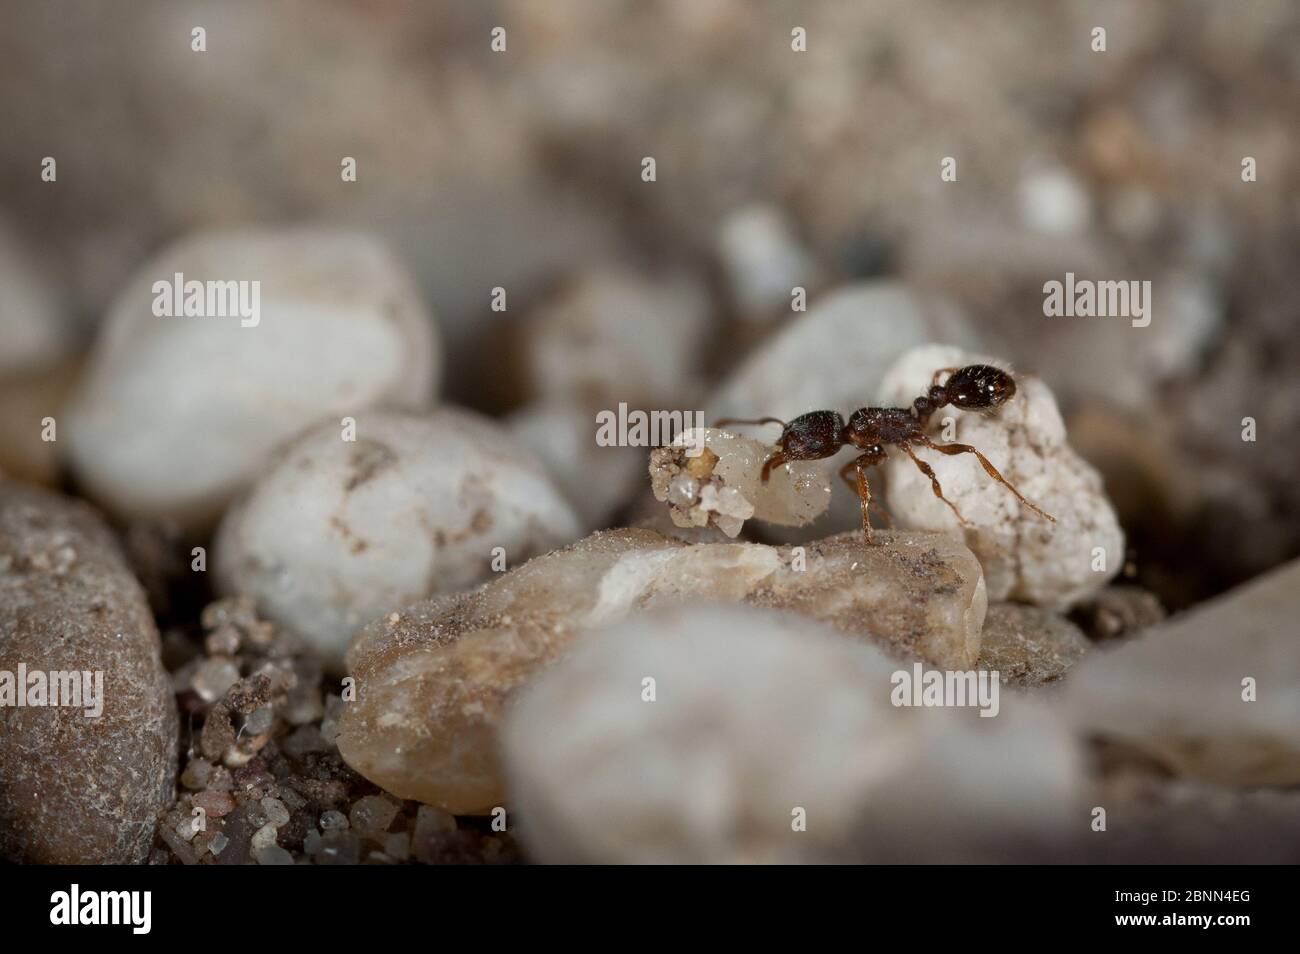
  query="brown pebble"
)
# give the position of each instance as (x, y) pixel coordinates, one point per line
(216, 804)
(78, 788)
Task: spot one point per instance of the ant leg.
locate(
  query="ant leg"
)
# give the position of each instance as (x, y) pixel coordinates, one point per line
(934, 482)
(852, 484)
(861, 488)
(954, 449)
(776, 460)
(722, 422)
(934, 379)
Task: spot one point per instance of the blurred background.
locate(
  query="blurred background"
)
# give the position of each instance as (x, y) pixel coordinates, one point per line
(522, 170)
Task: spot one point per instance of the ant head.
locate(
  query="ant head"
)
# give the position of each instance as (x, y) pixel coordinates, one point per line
(979, 386)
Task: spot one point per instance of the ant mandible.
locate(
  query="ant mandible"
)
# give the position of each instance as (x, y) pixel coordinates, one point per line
(820, 434)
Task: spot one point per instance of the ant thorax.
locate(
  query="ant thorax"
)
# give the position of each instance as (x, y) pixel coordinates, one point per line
(872, 426)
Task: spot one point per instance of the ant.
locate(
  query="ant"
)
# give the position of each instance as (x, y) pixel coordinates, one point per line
(820, 434)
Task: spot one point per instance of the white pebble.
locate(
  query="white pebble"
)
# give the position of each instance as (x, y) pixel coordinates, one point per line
(213, 677)
(264, 837)
(832, 357)
(1053, 201)
(611, 335)
(337, 532)
(177, 414)
(1024, 556)
(763, 261)
(333, 820)
(767, 740)
(277, 814)
(596, 480)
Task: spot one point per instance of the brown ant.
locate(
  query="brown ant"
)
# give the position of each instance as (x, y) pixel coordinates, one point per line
(820, 434)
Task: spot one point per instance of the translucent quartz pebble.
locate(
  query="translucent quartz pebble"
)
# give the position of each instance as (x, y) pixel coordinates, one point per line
(722, 485)
(434, 679)
(373, 814)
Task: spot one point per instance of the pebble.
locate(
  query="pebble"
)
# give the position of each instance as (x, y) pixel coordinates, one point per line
(188, 828)
(982, 790)
(1054, 202)
(758, 722)
(430, 822)
(177, 414)
(202, 843)
(215, 804)
(373, 814)
(433, 680)
(1025, 557)
(398, 846)
(333, 820)
(32, 323)
(1175, 693)
(213, 677)
(832, 357)
(597, 481)
(79, 789)
(722, 486)
(196, 774)
(259, 721)
(1117, 611)
(339, 848)
(763, 261)
(1029, 646)
(276, 812)
(609, 335)
(337, 532)
(264, 837)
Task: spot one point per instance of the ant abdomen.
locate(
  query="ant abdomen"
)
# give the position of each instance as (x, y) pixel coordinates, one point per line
(979, 386)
